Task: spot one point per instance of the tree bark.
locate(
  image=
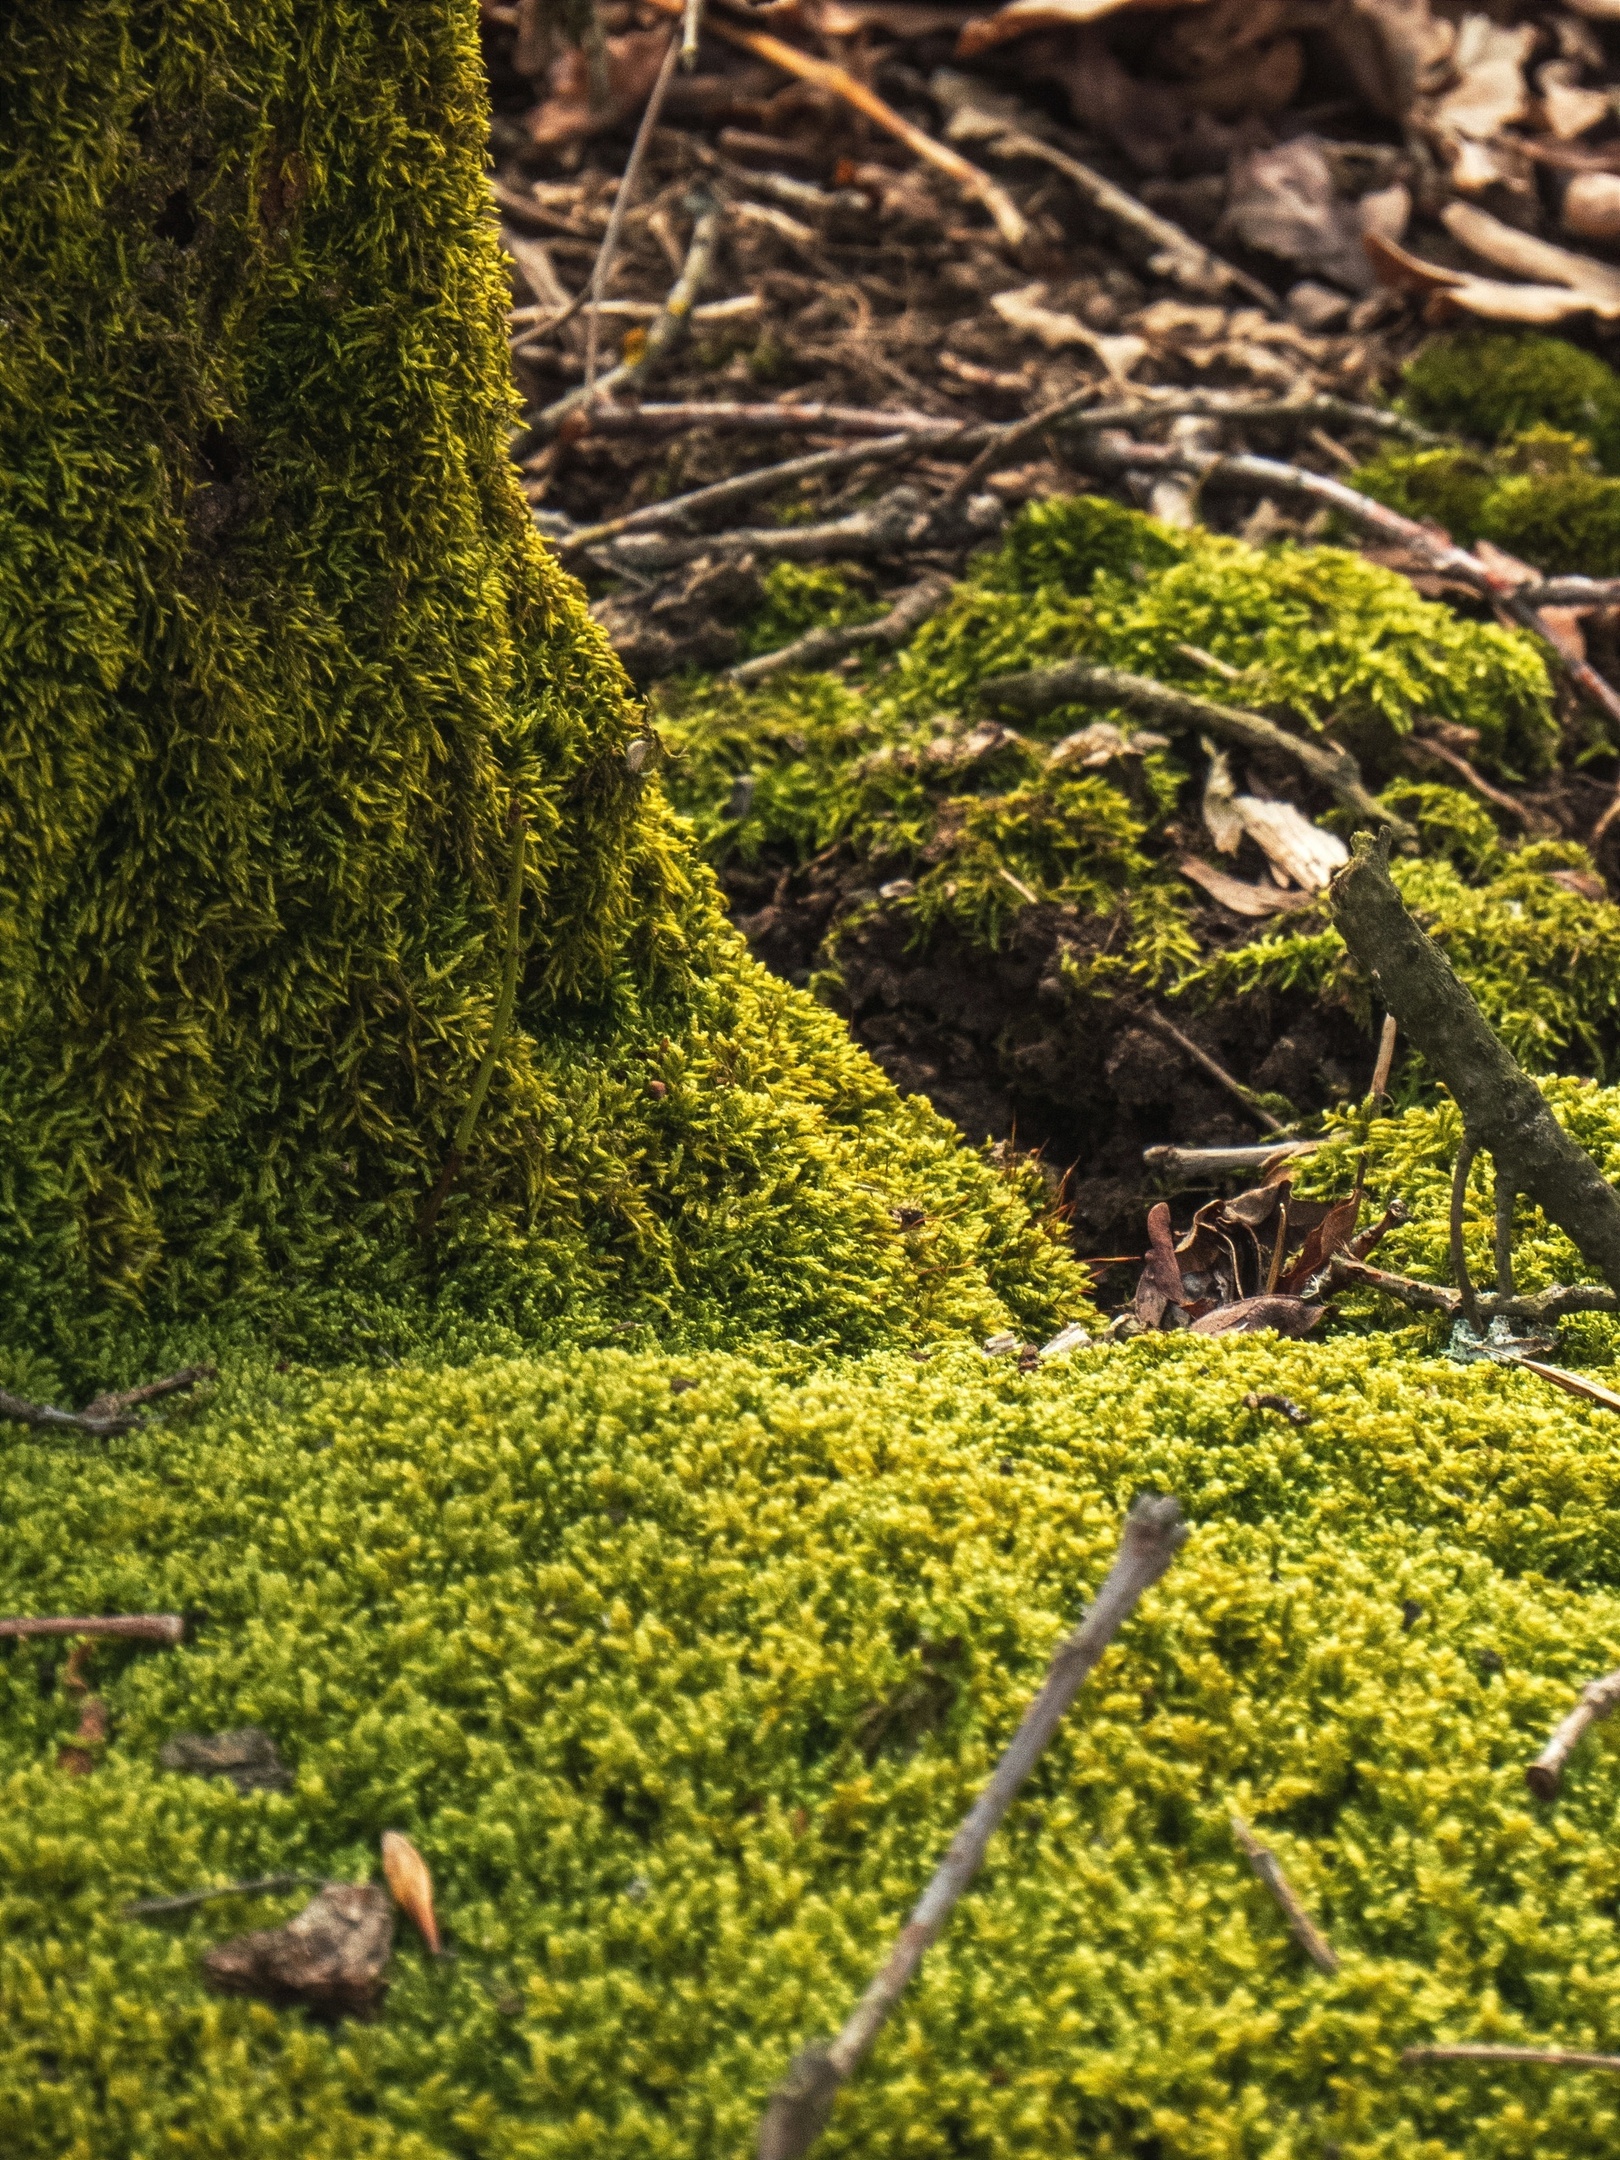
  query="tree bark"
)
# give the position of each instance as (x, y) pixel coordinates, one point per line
(1502, 1108)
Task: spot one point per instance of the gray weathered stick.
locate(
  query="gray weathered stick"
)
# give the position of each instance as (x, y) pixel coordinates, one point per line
(1194, 1163)
(1151, 1017)
(820, 646)
(1501, 1106)
(1531, 1308)
(800, 2105)
(1597, 1700)
(1076, 682)
(1490, 2052)
(1300, 1924)
(165, 1627)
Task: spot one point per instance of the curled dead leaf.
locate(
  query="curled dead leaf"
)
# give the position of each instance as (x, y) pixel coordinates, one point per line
(1249, 1316)
(412, 1886)
(1234, 893)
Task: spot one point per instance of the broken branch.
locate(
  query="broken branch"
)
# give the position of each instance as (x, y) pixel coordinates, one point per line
(817, 647)
(1167, 1029)
(1533, 1309)
(1074, 681)
(109, 1414)
(1269, 1869)
(166, 1628)
(1193, 1164)
(1483, 2052)
(1501, 1106)
(1597, 1701)
(799, 2107)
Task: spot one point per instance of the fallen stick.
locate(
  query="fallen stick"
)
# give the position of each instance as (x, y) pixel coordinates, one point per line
(153, 1908)
(1173, 254)
(1467, 1300)
(1502, 1109)
(109, 1414)
(1241, 470)
(1597, 1701)
(164, 1627)
(817, 647)
(667, 331)
(898, 520)
(1533, 1308)
(607, 253)
(1151, 1017)
(1195, 1163)
(1418, 747)
(798, 2109)
(681, 417)
(1074, 681)
(1491, 2052)
(1269, 1869)
(1009, 220)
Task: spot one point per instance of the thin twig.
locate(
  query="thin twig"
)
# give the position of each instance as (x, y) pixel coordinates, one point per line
(606, 254)
(1009, 220)
(1493, 2053)
(1072, 681)
(1422, 746)
(1269, 1869)
(818, 647)
(1531, 1308)
(1005, 441)
(499, 1024)
(799, 2107)
(666, 332)
(721, 494)
(1156, 1020)
(109, 1414)
(1193, 1164)
(1505, 1197)
(1597, 1701)
(897, 521)
(166, 1628)
(1483, 2052)
(1384, 1063)
(1467, 1300)
(155, 1908)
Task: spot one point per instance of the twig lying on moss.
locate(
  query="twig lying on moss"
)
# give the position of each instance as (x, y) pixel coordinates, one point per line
(1572, 1383)
(1300, 1924)
(764, 419)
(667, 331)
(1197, 1163)
(1532, 1308)
(818, 647)
(1501, 1106)
(1009, 220)
(1598, 1700)
(1418, 747)
(164, 1627)
(607, 253)
(800, 2105)
(1001, 447)
(109, 1414)
(1074, 682)
(1492, 2052)
(499, 1024)
(1150, 1016)
(1241, 470)
(156, 1908)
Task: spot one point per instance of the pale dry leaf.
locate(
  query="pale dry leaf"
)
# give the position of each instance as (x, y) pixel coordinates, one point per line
(1487, 298)
(1591, 207)
(1222, 822)
(1542, 260)
(1102, 742)
(411, 1884)
(1386, 211)
(1568, 108)
(1234, 893)
(1021, 17)
(1489, 92)
(1022, 310)
(1283, 202)
(1305, 854)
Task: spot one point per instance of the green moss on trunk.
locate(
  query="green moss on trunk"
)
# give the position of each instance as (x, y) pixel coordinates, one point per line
(279, 652)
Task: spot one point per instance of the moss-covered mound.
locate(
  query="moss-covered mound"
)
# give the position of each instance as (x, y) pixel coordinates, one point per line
(681, 1695)
(281, 659)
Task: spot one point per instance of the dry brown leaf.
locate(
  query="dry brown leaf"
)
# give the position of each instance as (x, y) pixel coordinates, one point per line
(1233, 893)
(1222, 822)
(408, 1878)
(1266, 83)
(1489, 92)
(1022, 310)
(566, 114)
(1332, 1234)
(1102, 742)
(1287, 1315)
(1395, 51)
(1592, 206)
(1283, 202)
(1568, 109)
(1573, 1383)
(1510, 249)
(1449, 291)
(1020, 17)
(1160, 1285)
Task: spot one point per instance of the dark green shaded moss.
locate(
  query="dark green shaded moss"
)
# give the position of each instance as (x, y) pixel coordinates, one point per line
(1536, 496)
(1492, 387)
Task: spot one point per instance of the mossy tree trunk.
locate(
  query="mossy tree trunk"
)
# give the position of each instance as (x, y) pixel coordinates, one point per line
(277, 647)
